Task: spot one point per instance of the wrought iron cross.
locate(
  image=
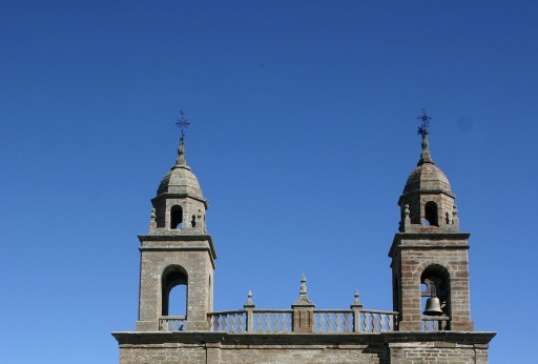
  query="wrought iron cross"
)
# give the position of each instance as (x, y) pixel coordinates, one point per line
(183, 124)
(424, 123)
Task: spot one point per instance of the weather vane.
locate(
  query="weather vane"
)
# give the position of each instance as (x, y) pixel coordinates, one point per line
(183, 124)
(424, 123)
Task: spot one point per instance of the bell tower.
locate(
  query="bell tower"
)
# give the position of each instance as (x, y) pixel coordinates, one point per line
(177, 251)
(430, 263)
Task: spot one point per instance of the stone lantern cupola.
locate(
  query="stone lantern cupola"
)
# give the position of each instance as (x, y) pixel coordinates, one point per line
(430, 263)
(180, 204)
(427, 199)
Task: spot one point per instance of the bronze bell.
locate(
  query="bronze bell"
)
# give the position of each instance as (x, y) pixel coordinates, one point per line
(433, 307)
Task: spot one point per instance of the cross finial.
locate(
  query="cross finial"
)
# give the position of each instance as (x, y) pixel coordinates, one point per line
(425, 156)
(183, 124)
(424, 123)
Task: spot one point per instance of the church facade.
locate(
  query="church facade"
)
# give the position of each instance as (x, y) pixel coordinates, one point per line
(430, 321)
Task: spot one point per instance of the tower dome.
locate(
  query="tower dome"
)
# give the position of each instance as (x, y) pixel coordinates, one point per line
(180, 180)
(427, 176)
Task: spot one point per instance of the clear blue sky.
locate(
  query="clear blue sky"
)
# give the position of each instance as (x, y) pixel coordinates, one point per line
(303, 134)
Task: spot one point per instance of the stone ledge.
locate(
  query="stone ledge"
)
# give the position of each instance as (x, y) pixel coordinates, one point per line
(129, 338)
(171, 238)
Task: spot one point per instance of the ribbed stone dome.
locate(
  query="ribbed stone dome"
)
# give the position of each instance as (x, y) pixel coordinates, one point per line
(180, 180)
(426, 176)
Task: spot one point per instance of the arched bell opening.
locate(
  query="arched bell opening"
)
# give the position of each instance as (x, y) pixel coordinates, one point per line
(431, 214)
(435, 281)
(176, 217)
(175, 285)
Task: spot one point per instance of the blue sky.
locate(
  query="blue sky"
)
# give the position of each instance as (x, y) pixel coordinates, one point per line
(303, 132)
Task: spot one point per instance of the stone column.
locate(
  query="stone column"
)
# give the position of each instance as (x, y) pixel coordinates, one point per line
(249, 307)
(356, 307)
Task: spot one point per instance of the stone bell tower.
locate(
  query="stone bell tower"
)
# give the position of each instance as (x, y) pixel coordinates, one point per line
(430, 263)
(176, 251)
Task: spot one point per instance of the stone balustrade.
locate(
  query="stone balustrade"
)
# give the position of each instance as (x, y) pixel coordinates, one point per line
(280, 321)
(303, 317)
(172, 323)
(252, 320)
(325, 321)
(435, 323)
(376, 321)
(333, 321)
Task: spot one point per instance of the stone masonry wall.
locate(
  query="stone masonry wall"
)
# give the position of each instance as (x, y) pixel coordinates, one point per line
(247, 354)
(381, 348)
(216, 353)
(438, 353)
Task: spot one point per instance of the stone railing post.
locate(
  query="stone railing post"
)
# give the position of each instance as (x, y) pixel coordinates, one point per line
(249, 308)
(303, 311)
(356, 307)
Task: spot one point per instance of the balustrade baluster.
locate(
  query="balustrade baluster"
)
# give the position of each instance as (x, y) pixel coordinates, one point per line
(330, 322)
(367, 321)
(375, 322)
(226, 322)
(240, 322)
(231, 327)
(267, 322)
(219, 323)
(216, 323)
(346, 322)
(339, 323)
(321, 327)
(259, 327)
